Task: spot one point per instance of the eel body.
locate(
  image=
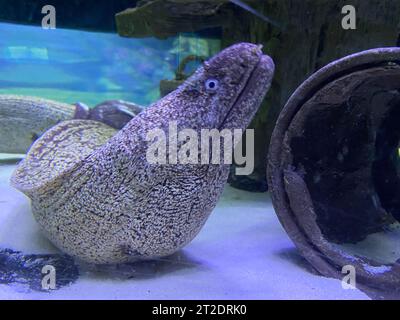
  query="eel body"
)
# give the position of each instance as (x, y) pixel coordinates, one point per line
(96, 195)
(23, 119)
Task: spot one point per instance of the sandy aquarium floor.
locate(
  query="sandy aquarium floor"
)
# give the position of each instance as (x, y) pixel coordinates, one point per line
(241, 253)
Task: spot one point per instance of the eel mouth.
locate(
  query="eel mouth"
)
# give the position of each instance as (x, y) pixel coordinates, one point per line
(252, 94)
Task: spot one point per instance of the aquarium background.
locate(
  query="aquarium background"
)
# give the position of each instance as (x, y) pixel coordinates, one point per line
(91, 67)
(242, 252)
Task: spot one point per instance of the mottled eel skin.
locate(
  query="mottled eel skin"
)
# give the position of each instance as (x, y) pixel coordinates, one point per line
(96, 196)
(23, 119)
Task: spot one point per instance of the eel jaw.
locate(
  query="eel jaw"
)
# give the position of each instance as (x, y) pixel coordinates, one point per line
(249, 100)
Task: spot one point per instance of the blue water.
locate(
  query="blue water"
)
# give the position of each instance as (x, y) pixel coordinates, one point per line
(71, 65)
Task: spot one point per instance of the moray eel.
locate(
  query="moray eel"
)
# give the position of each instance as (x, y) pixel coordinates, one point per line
(23, 119)
(97, 198)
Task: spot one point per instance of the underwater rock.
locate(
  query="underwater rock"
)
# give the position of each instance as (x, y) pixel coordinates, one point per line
(97, 196)
(167, 86)
(24, 119)
(165, 18)
(18, 268)
(311, 38)
(114, 113)
(333, 167)
(246, 183)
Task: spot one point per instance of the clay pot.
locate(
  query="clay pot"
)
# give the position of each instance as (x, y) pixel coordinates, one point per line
(334, 168)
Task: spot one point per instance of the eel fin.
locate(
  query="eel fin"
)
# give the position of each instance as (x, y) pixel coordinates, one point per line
(58, 151)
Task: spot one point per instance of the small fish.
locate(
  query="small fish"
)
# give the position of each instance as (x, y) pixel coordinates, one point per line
(246, 7)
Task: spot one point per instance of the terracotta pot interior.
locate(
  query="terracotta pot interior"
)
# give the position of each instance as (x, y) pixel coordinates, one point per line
(344, 142)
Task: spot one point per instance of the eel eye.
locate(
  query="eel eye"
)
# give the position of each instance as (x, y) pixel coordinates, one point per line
(212, 84)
